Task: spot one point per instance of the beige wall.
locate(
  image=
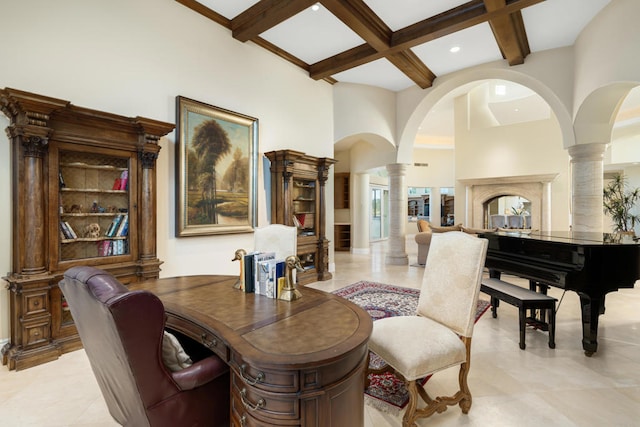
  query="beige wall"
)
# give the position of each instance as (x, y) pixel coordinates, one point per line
(134, 58)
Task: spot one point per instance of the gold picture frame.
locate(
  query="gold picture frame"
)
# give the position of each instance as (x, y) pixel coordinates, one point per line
(216, 170)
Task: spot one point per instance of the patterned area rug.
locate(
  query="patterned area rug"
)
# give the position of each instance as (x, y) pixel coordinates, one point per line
(386, 391)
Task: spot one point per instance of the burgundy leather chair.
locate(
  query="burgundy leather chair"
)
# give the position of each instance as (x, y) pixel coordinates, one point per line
(122, 334)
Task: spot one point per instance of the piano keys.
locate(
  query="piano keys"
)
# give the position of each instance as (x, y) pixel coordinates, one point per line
(590, 264)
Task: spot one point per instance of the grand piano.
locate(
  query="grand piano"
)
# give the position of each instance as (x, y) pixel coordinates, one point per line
(591, 264)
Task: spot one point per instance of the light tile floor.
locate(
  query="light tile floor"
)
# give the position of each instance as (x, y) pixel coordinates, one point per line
(510, 387)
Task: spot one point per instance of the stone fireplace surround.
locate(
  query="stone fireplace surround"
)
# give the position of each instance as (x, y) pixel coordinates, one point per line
(535, 188)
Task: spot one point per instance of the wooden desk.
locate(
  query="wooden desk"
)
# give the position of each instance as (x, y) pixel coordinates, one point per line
(297, 363)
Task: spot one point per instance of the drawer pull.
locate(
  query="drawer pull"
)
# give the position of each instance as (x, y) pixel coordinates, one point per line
(210, 344)
(248, 379)
(248, 405)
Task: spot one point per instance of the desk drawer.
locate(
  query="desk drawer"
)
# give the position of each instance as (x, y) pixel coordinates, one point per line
(264, 379)
(262, 405)
(199, 334)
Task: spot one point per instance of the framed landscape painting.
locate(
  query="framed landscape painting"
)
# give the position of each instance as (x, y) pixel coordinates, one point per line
(216, 170)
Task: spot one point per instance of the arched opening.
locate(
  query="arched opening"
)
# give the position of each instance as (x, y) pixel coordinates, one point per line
(508, 211)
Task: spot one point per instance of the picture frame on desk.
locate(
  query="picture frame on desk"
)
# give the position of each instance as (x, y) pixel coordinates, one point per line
(216, 170)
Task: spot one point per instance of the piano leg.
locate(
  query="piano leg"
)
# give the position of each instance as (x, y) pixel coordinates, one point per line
(591, 306)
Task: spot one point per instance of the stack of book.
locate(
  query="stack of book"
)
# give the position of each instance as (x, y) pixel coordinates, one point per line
(112, 247)
(67, 232)
(263, 274)
(119, 226)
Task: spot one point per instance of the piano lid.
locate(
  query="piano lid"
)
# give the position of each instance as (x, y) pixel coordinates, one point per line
(584, 238)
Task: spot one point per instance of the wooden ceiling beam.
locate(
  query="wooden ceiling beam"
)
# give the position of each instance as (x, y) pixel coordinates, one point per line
(356, 15)
(449, 22)
(364, 22)
(409, 63)
(506, 33)
(264, 15)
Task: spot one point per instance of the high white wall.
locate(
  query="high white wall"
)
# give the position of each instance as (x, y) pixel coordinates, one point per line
(528, 148)
(607, 49)
(133, 58)
(440, 172)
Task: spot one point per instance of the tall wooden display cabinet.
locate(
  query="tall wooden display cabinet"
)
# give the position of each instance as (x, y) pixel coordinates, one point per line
(84, 193)
(298, 199)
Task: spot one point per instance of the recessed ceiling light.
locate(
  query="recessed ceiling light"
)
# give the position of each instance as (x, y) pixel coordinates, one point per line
(315, 7)
(455, 49)
(516, 109)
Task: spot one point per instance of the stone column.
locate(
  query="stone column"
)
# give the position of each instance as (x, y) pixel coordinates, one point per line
(397, 254)
(587, 168)
(360, 213)
(435, 202)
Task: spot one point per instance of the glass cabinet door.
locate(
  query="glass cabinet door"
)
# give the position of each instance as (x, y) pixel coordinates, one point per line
(93, 205)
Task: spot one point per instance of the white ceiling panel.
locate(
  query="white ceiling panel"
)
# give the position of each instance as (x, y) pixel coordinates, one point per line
(313, 35)
(228, 8)
(380, 73)
(398, 14)
(477, 46)
(557, 23)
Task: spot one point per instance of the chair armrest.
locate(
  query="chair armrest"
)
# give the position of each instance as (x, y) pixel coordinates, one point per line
(200, 373)
(423, 238)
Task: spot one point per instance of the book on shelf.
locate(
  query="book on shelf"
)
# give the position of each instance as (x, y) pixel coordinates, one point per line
(113, 227)
(65, 231)
(123, 226)
(74, 235)
(124, 179)
(298, 219)
(103, 247)
(116, 184)
(61, 180)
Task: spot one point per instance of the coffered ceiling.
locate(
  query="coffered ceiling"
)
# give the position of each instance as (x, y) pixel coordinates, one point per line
(395, 44)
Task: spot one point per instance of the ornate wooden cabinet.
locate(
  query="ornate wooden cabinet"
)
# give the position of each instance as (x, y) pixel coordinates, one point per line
(298, 199)
(84, 193)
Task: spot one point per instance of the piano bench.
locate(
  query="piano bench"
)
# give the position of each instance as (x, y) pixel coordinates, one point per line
(524, 299)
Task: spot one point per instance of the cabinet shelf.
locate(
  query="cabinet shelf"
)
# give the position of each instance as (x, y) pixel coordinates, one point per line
(92, 239)
(92, 190)
(81, 165)
(90, 214)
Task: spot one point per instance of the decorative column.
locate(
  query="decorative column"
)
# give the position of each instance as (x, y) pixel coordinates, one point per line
(397, 254)
(587, 168)
(148, 204)
(360, 213)
(435, 203)
(150, 132)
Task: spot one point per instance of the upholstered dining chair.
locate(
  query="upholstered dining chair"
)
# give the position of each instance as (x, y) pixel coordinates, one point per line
(438, 336)
(122, 333)
(278, 238)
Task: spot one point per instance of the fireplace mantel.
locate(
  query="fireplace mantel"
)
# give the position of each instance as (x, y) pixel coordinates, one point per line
(535, 188)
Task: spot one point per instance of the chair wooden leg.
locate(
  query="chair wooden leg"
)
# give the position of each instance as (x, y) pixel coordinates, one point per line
(385, 368)
(438, 404)
(410, 415)
(465, 402)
